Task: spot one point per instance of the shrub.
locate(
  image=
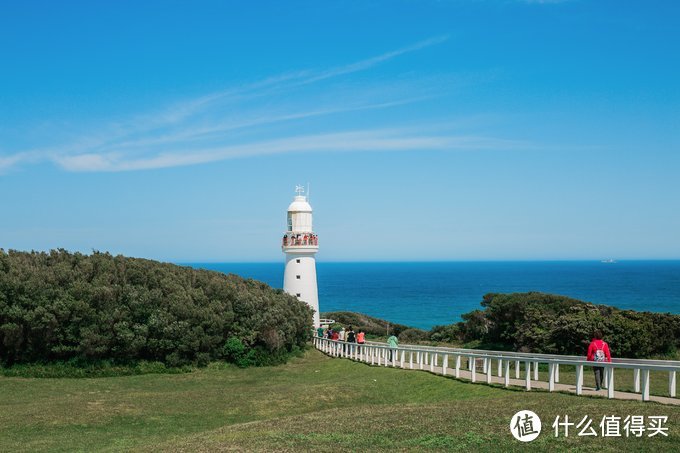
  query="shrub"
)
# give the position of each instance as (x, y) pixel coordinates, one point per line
(370, 325)
(412, 336)
(61, 306)
(547, 323)
(446, 334)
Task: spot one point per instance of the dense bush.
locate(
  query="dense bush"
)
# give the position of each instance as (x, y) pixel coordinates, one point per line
(547, 323)
(445, 334)
(61, 306)
(412, 335)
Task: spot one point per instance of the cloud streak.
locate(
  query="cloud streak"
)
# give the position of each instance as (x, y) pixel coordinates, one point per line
(365, 140)
(257, 119)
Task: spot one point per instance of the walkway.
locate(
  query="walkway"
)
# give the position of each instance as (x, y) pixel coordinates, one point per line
(477, 366)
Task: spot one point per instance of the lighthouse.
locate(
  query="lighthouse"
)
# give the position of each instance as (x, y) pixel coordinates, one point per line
(300, 244)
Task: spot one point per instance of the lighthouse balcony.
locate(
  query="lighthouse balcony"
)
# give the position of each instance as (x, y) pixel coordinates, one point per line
(302, 249)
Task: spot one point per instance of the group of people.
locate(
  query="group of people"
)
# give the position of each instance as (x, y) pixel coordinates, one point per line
(349, 335)
(300, 239)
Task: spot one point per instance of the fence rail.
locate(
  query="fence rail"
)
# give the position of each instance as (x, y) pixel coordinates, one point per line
(455, 361)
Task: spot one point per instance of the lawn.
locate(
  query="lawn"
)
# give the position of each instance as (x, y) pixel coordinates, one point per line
(313, 402)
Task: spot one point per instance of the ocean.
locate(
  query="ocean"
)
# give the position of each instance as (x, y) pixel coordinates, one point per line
(424, 294)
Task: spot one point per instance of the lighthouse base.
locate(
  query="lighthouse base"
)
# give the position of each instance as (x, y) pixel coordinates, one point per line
(299, 280)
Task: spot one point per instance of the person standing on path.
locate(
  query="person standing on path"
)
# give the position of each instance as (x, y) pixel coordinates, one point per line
(351, 337)
(598, 352)
(393, 343)
(361, 339)
(342, 336)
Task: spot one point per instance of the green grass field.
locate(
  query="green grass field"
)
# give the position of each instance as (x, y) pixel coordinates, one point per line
(312, 403)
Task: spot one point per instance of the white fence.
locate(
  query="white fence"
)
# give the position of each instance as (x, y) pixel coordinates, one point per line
(453, 361)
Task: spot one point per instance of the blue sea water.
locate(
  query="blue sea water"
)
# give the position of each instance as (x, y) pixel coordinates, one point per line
(427, 294)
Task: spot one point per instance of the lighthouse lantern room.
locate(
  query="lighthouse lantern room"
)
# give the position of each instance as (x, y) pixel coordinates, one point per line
(300, 245)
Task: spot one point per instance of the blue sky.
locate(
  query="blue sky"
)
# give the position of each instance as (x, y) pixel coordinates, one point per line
(443, 130)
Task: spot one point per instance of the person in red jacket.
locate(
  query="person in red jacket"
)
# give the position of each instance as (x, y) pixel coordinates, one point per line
(598, 351)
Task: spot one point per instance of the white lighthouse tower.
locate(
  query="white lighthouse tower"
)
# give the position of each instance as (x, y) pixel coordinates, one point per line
(300, 244)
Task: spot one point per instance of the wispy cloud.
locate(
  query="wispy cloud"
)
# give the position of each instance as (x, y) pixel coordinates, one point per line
(263, 118)
(368, 63)
(364, 140)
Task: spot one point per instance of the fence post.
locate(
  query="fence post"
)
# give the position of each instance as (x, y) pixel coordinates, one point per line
(500, 367)
(445, 363)
(473, 366)
(517, 371)
(488, 371)
(506, 374)
(433, 359)
(403, 353)
(551, 376)
(457, 366)
(579, 379)
(557, 372)
(645, 385)
(636, 379)
(535, 371)
(527, 365)
(671, 383)
(610, 383)
(410, 359)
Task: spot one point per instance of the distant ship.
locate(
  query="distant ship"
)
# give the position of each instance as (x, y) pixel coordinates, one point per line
(608, 261)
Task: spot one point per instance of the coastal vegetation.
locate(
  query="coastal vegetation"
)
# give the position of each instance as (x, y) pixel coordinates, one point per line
(547, 323)
(100, 311)
(372, 326)
(542, 323)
